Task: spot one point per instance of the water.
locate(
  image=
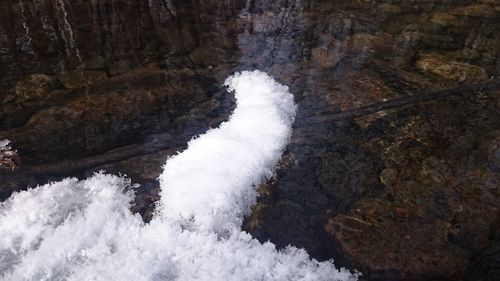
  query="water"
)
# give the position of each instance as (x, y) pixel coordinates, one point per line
(128, 83)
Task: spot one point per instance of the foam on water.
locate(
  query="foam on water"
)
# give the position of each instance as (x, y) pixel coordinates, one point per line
(84, 230)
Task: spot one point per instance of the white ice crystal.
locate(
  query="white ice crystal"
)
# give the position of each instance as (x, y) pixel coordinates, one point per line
(84, 230)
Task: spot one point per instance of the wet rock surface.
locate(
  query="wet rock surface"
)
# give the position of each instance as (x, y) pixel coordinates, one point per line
(383, 173)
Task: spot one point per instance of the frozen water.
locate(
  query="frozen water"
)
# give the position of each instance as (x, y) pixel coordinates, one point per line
(84, 230)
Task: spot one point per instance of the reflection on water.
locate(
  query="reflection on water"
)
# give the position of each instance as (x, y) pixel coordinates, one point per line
(121, 85)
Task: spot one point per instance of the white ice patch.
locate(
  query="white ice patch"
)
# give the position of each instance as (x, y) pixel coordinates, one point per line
(212, 182)
(84, 230)
(4, 144)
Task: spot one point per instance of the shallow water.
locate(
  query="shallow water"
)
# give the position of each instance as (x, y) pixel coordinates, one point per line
(402, 192)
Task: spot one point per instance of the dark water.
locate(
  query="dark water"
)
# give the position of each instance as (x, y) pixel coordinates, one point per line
(383, 173)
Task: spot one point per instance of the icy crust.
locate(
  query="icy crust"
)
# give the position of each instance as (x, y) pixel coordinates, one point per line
(84, 230)
(212, 182)
(4, 144)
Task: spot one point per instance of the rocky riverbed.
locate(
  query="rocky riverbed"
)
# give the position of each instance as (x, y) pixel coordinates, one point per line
(394, 164)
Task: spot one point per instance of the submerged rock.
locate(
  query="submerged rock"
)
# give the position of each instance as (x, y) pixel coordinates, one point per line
(9, 159)
(476, 10)
(35, 86)
(388, 176)
(462, 16)
(386, 243)
(448, 69)
(327, 57)
(78, 78)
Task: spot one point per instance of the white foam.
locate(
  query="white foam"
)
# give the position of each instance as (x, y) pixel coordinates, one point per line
(83, 230)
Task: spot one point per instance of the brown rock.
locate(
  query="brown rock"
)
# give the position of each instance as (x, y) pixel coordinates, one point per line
(490, 2)
(448, 69)
(77, 79)
(378, 238)
(459, 17)
(382, 42)
(35, 86)
(327, 57)
(106, 118)
(445, 19)
(208, 56)
(476, 11)
(95, 63)
(431, 39)
(359, 44)
(388, 176)
(119, 67)
(389, 9)
(150, 75)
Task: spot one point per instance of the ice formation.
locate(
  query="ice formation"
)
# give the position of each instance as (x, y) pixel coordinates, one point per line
(4, 144)
(84, 230)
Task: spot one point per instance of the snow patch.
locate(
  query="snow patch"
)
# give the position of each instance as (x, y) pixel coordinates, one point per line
(84, 230)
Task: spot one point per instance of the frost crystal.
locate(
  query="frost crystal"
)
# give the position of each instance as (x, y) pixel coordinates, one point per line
(84, 230)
